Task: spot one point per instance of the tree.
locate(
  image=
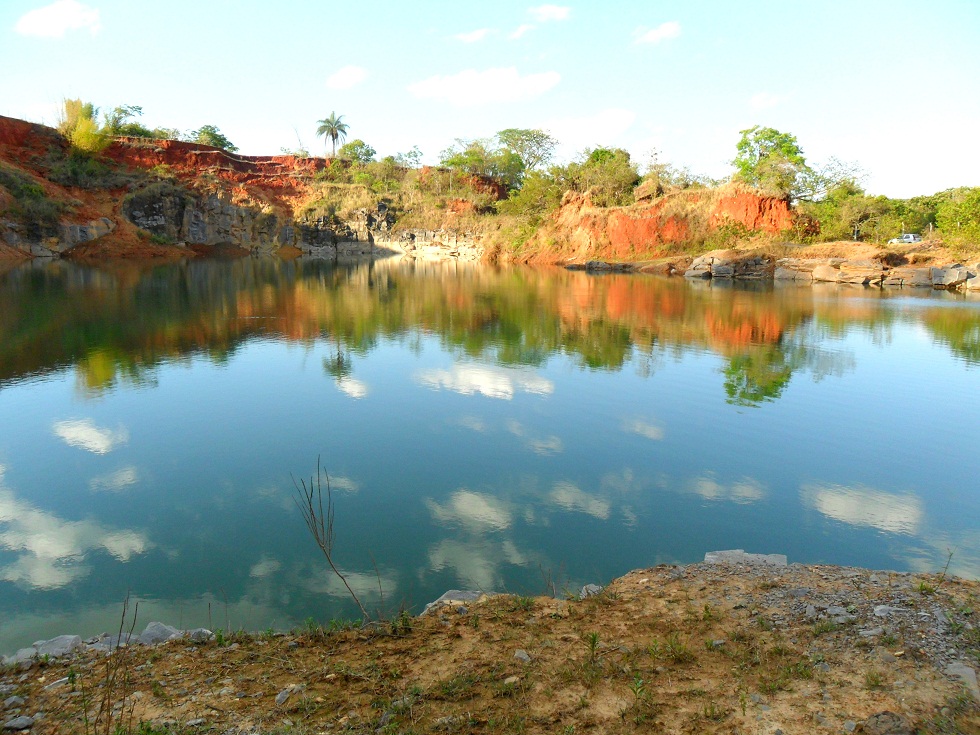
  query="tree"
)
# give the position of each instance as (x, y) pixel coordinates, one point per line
(534, 147)
(332, 127)
(958, 216)
(357, 151)
(210, 135)
(770, 160)
(77, 122)
(411, 159)
(607, 174)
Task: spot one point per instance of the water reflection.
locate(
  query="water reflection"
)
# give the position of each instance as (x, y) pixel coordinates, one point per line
(50, 551)
(478, 425)
(864, 506)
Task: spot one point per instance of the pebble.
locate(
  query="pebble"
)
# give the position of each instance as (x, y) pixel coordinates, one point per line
(11, 702)
(850, 725)
(196, 722)
(19, 723)
(522, 655)
(283, 696)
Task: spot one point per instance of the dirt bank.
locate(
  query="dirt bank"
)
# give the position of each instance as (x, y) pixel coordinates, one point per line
(707, 648)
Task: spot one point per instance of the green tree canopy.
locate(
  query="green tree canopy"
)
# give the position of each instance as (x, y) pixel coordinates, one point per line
(770, 160)
(607, 174)
(210, 135)
(534, 147)
(958, 215)
(357, 151)
(334, 128)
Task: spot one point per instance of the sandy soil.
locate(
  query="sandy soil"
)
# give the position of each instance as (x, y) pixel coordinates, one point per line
(699, 649)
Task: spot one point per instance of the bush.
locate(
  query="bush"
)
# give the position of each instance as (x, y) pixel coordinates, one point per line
(86, 172)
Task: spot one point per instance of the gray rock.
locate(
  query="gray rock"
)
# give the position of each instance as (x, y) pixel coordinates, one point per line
(850, 725)
(811, 612)
(700, 272)
(6, 689)
(60, 646)
(195, 722)
(589, 590)
(200, 635)
(955, 276)
(887, 723)
(11, 702)
(19, 723)
(457, 597)
(521, 655)
(157, 633)
(783, 273)
(738, 556)
(884, 611)
(965, 674)
(871, 632)
(826, 274)
(282, 696)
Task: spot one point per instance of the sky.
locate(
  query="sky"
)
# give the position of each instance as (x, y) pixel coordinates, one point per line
(891, 85)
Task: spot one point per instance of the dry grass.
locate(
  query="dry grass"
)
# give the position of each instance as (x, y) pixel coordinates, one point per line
(700, 653)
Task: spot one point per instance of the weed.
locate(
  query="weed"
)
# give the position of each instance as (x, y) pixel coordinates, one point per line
(402, 624)
(824, 626)
(925, 588)
(592, 644)
(889, 639)
(456, 688)
(676, 650)
(707, 614)
(711, 711)
(873, 679)
(523, 602)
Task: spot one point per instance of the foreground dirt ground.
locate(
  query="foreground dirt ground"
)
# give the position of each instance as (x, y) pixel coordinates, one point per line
(707, 648)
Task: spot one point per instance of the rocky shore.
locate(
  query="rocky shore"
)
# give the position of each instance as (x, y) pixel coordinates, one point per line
(729, 265)
(738, 643)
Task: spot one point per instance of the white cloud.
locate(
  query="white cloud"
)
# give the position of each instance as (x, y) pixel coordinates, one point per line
(473, 36)
(353, 387)
(265, 567)
(764, 101)
(115, 481)
(343, 484)
(49, 549)
(476, 512)
(643, 428)
(663, 32)
(56, 19)
(470, 87)
(742, 492)
(568, 496)
(545, 13)
(520, 31)
(492, 382)
(546, 445)
(864, 506)
(83, 433)
(349, 76)
(576, 133)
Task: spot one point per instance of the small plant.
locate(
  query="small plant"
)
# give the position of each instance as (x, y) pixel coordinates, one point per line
(592, 645)
(824, 626)
(711, 711)
(638, 688)
(873, 679)
(676, 650)
(925, 588)
(707, 614)
(402, 624)
(219, 638)
(524, 602)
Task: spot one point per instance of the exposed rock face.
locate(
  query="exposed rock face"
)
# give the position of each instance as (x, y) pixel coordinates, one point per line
(588, 232)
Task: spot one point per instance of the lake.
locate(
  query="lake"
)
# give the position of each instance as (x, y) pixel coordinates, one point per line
(513, 430)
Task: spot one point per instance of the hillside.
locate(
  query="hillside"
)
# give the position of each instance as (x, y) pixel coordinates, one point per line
(149, 199)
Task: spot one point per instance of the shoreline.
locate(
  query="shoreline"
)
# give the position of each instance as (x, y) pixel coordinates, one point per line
(740, 642)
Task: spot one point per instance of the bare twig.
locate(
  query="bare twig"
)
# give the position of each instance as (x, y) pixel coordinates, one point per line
(309, 500)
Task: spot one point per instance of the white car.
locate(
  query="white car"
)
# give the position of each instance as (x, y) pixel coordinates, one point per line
(908, 237)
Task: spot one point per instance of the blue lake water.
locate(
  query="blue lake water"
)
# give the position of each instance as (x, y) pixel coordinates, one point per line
(501, 429)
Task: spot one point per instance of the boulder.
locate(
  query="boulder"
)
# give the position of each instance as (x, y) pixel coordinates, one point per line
(60, 646)
(826, 274)
(738, 556)
(954, 276)
(157, 633)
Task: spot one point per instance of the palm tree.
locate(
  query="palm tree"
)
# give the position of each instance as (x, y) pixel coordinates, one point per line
(332, 128)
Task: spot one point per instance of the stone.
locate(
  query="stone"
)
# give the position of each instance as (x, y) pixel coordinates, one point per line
(789, 274)
(738, 556)
(973, 284)
(521, 655)
(722, 270)
(589, 590)
(60, 646)
(884, 611)
(850, 725)
(871, 632)
(965, 674)
(512, 680)
(200, 635)
(11, 702)
(955, 276)
(887, 723)
(861, 272)
(157, 632)
(19, 723)
(282, 696)
(699, 272)
(826, 274)
(456, 597)
(197, 722)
